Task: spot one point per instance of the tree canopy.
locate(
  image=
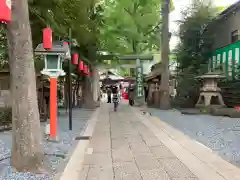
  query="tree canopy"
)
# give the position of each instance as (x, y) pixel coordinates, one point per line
(120, 27)
(131, 26)
(83, 17)
(196, 39)
(196, 34)
(79, 15)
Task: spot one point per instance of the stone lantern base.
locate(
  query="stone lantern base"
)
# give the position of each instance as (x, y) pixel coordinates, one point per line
(207, 99)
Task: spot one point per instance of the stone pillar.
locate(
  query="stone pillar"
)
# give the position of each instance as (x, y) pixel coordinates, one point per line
(139, 98)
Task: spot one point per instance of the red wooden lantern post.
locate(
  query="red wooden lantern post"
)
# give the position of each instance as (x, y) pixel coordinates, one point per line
(5, 11)
(81, 66)
(47, 38)
(53, 108)
(75, 59)
(85, 69)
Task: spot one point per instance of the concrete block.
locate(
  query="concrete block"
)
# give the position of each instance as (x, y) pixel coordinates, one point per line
(139, 148)
(100, 173)
(176, 169)
(162, 152)
(154, 174)
(147, 161)
(126, 171)
(122, 154)
(98, 159)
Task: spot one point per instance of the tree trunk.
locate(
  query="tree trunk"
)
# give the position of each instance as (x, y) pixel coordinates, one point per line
(77, 90)
(134, 49)
(164, 88)
(74, 95)
(88, 81)
(78, 94)
(27, 150)
(88, 93)
(66, 94)
(96, 86)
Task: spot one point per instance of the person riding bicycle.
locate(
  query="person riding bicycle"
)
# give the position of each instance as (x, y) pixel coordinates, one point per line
(115, 97)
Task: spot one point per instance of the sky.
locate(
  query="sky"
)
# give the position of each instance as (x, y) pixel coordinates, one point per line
(176, 15)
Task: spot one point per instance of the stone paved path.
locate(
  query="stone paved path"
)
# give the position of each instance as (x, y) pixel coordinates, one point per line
(221, 134)
(123, 148)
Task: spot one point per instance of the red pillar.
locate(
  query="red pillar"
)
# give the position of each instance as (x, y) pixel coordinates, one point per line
(53, 107)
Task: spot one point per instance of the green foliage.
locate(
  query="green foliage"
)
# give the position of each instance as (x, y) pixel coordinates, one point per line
(196, 38)
(131, 26)
(221, 8)
(187, 89)
(38, 63)
(79, 15)
(83, 17)
(123, 72)
(5, 116)
(3, 46)
(121, 27)
(237, 72)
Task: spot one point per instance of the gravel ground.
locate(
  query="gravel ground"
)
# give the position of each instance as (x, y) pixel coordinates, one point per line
(221, 134)
(54, 151)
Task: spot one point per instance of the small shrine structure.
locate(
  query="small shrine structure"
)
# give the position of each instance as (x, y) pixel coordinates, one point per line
(108, 77)
(153, 80)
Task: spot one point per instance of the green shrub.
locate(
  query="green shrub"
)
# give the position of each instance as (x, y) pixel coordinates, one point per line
(5, 116)
(187, 90)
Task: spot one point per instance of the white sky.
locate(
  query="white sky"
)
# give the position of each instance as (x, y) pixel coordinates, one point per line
(176, 15)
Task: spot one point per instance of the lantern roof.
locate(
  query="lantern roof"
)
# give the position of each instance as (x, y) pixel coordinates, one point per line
(58, 47)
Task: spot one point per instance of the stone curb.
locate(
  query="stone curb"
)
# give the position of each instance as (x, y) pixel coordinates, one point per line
(73, 163)
(200, 160)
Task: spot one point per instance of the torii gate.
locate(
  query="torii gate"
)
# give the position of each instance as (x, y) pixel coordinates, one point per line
(139, 72)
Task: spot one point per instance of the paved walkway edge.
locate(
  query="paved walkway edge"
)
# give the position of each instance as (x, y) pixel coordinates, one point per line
(76, 159)
(200, 160)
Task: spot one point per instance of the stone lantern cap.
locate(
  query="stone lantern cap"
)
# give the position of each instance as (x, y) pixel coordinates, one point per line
(211, 75)
(58, 48)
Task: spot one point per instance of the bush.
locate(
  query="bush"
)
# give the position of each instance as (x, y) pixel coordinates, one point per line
(187, 90)
(5, 116)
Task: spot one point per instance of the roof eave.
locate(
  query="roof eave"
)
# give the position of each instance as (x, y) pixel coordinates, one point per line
(229, 10)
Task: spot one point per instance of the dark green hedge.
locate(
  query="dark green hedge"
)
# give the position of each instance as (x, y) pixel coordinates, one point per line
(5, 116)
(230, 92)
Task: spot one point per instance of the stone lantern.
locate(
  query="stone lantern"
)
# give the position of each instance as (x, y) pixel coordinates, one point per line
(53, 58)
(210, 93)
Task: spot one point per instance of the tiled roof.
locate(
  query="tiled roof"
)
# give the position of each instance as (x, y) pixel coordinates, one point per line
(229, 10)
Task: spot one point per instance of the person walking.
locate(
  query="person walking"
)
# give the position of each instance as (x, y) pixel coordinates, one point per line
(131, 95)
(115, 98)
(109, 94)
(146, 93)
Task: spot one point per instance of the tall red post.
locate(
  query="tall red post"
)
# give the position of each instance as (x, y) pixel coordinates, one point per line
(53, 108)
